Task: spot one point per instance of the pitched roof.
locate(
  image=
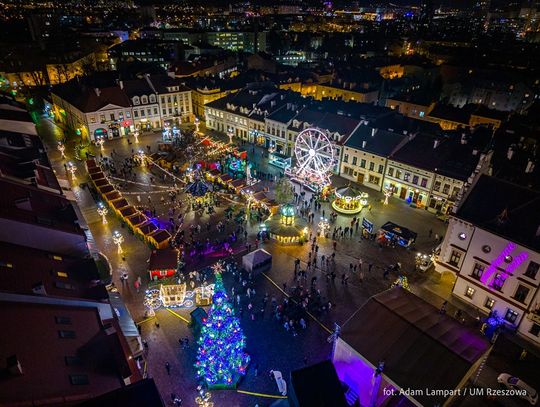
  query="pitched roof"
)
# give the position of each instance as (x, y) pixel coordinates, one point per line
(89, 100)
(377, 141)
(420, 347)
(503, 208)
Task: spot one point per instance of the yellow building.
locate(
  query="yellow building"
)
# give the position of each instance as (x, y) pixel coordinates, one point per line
(392, 71)
(414, 105)
(346, 91)
(202, 96)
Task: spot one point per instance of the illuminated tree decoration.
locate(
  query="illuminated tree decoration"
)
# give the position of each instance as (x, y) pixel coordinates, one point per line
(221, 359)
(402, 282)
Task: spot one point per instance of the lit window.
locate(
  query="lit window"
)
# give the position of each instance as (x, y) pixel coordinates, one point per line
(469, 292)
(490, 302)
(511, 315)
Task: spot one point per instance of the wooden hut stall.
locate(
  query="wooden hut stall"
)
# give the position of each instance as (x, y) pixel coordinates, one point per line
(162, 263)
(238, 184)
(90, 164)
(212, 174)
(112, 196)
(147, 228)
(105, 189)
(160, 239)
(225, 179)
(136, 220)
(97, 175)
(119, 204)
(100, 182)
(128, 211)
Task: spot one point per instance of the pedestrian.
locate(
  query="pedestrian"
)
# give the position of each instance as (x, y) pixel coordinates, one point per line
(436, 236)
(256, 370)
(168, 368)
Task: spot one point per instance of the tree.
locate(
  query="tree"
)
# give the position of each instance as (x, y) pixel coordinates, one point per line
(284, 191)
(221, 359)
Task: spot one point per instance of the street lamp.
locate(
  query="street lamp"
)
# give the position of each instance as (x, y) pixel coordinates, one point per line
(230, 133)
(72, 168)
(61, 147)
(197, 123)
(102, 211)
(118, 239)
(136, 135)
(100, 140)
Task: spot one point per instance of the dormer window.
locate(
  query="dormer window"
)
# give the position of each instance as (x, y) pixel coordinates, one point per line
(152, 98)
(136, 100)
(144, 99)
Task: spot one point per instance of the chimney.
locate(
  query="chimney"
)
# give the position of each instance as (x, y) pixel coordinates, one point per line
(510, 153)
(463, 138)
(98, 92)
(121, 84)
(530, 167)
(436, 143)
(364, 144)
(373, 131)
(14, 366)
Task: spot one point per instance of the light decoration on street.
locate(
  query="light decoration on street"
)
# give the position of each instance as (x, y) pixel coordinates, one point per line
(102, 211)
(62, 148)
(402, 282)
(349, 201)
(152, 299)
(142, 157)
(388, 191)
(100, 141)
(230, 134)
(118, 239)
(221, 359)
(203, 399)
(197, 124)
(324, 226)
(217, 268)
(315, 158)
(72, 168)
(136, 135)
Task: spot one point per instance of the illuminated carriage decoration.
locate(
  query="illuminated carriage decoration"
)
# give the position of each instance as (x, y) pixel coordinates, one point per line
(315, 158)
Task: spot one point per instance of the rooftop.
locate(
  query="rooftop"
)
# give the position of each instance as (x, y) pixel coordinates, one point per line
(421, 348)
(503, 208)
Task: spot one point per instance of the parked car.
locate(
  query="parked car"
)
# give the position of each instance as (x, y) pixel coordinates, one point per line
(523, 389)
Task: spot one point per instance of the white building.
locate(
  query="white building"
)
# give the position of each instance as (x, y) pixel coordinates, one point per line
(492, 245)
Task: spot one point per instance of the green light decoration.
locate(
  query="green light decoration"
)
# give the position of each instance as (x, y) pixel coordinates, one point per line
(221, 359)
(402, 282)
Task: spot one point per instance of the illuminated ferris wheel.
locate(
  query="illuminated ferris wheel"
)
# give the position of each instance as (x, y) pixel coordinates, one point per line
(314, 156)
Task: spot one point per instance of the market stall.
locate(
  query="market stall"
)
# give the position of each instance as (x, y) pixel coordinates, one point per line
(159, 238)
(162, 263)
(257, 261)
(391, 234)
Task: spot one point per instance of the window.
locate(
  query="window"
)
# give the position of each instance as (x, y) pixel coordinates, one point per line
(415, 179)
(469, 292)
(455, 192)
(144, 99)
(61, 274)
(532, 270)
(398, 174)
(490, 302)
(371, 166)
(63, 320)
(92, 119)
(424, 182)
(112, 117)
(445, 189)
(354, 160)
(73, 361)
(346, 158)
(78, 379)
(511, 315)
(381, 169)
(498, 282)
(374, 180)
(136, 100)
(136, 113)
(407, 177)
(455, 257)
(363, 163)
(478, 270)
(102, 118)
(142, 112)
(422, 114)
(66, 334)
(521, 293)
(164, 112)
(155, 111)
(128, 115)
(121, 116)
(390, 171)
(64, 286)
(535, 330)
(437, 186)
(163, 99)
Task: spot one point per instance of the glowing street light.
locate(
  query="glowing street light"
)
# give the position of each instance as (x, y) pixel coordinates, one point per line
(72, 168)
(118, 239)
(197, 123)
(62, 148)
(142, 157)
(102, 211)
(230, 133)
(100, 140)
(136, 135)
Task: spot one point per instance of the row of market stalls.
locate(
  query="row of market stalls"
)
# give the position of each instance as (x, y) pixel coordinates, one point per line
(135, 219)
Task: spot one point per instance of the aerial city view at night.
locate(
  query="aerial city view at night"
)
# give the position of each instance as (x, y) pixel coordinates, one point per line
(269, 203)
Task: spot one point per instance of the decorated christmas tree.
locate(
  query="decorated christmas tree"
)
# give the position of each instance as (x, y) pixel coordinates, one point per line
(221, 359)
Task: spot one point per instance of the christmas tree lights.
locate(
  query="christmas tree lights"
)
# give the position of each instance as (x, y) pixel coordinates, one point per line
(221, 359)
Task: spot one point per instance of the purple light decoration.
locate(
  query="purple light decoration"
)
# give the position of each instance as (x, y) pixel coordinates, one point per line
(486, 276)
